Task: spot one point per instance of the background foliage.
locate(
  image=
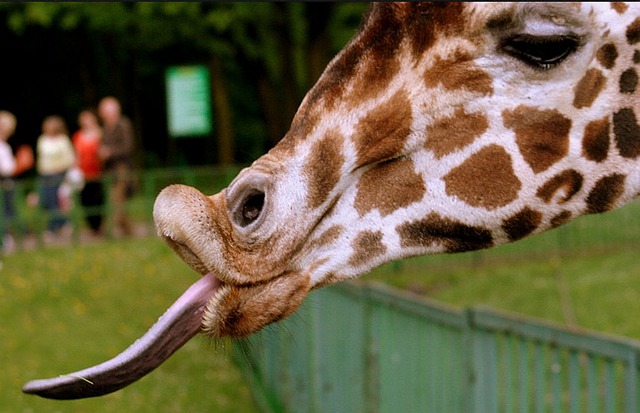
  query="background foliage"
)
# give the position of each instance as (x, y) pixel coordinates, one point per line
(263, 57)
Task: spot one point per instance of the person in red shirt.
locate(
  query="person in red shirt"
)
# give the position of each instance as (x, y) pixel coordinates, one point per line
(86, 142)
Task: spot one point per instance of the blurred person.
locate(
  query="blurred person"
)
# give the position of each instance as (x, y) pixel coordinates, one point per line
(55, 156)
(86, 142)
(10, 167)
(116, 153)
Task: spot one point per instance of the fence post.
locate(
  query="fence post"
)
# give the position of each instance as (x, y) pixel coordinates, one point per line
(481, 349)
(470, 374)
(372, 354)
(631, 388)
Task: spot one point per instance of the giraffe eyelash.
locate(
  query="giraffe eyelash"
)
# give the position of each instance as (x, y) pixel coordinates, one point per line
(540, 52)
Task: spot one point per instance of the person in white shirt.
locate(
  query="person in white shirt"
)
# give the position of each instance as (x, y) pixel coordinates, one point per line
(10, 166)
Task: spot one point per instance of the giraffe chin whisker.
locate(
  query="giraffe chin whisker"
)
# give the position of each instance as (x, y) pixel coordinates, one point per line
(240, 310)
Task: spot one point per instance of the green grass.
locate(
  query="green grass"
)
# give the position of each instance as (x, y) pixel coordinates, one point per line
(64, 309)
(586, 274)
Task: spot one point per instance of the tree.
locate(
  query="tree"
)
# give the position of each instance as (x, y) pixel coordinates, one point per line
(262, 58)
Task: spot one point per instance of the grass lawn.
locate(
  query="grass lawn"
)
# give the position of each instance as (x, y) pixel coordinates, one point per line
(64, 309)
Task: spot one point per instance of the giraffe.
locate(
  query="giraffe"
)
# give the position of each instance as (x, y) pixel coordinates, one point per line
(439, 128)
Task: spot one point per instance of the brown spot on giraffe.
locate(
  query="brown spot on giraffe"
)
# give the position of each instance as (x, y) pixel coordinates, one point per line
(628, 81)
(327, 237)
(605, 193)
(636, 57)
(322, 169)
(541, 135)
(382, 133)
(367, 246)
(425, 22)
(619, 7)
(522, 224)
(565, 185)
(627, 133)
(596, 140)
(607, 55)
(459, 73)
(560, 219)
(384, 43)
(455, 132)
(389, 186)
(569, 182)
(453, 235)
(486, 179)
(588, 88)
(633, 31)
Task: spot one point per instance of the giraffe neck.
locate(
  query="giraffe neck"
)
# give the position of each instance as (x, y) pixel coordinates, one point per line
(441, 153)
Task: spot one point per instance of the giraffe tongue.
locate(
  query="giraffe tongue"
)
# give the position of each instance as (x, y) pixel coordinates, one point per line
(172, 330)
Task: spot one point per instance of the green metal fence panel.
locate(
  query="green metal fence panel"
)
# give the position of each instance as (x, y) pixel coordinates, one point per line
(420, 366)
(371, 349)
(553, 362)
(337, 323)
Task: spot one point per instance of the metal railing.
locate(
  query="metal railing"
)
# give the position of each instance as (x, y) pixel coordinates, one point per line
(353, 348)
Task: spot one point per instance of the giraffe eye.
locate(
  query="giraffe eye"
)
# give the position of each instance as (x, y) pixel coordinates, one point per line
(540, 52)
(247, 201)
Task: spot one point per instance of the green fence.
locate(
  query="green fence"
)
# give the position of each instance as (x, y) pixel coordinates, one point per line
(354, 348)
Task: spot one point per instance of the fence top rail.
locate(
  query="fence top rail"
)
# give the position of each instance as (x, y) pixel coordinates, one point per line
(527, 328)
(407, 302)
(572, 338)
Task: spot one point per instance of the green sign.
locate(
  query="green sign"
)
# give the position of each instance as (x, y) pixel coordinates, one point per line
(188, 101)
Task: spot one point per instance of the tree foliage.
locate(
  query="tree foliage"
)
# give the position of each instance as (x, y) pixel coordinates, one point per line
(265, 54)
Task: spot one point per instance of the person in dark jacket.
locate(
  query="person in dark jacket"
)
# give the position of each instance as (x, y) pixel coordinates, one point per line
(116, 152)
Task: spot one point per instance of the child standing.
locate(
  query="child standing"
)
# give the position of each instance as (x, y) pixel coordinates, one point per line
(55, 155)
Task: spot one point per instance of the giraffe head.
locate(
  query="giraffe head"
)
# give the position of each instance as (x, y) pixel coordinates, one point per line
(439, 128)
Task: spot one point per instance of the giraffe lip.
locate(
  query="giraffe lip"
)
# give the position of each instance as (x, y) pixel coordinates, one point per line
(187, 254)
(174, 328)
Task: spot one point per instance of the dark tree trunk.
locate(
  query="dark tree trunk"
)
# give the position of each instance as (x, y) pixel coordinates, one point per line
(223, 113)
(271, 109)
(256, 73)
(289, 94)
(89, 91)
